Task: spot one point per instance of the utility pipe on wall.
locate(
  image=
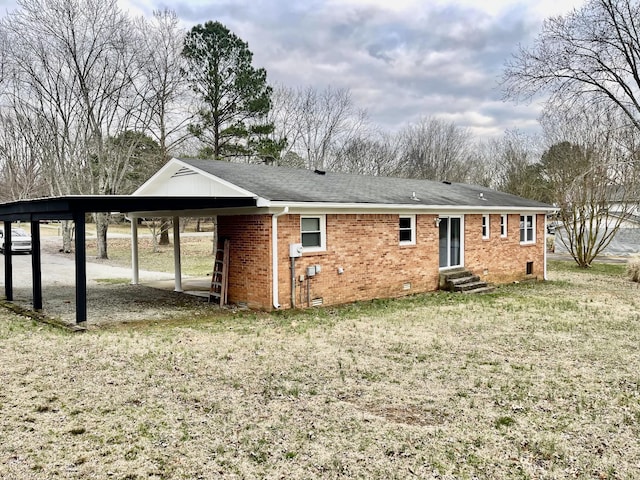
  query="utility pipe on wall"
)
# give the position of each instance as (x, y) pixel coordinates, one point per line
(274, 255)
(293, 282)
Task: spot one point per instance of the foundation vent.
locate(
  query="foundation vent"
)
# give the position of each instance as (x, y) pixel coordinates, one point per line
(316, 302)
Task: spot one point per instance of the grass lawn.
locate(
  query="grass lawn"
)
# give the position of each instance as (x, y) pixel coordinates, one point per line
(195, 254)
(534, 381)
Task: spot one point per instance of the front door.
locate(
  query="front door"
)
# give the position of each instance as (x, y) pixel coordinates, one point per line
(450, 242)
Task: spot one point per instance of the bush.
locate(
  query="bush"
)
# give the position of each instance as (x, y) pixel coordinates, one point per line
(633, 269)
(551, 243)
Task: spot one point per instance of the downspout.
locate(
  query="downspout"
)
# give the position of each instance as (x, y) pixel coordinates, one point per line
(545, 248)
(274, 255)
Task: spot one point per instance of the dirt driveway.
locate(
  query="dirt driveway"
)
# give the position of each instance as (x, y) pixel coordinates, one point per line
(110, 296)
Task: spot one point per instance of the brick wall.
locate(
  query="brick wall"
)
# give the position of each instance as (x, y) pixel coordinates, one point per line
(366, 249)
(249, 258)
(502, 260)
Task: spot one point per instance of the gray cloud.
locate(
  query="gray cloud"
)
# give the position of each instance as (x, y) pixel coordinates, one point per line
(440, 61)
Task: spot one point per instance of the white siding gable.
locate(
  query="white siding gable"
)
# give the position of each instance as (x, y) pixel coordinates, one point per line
(178, 179)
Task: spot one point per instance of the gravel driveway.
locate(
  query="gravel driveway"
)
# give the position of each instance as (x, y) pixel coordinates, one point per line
(110, 297)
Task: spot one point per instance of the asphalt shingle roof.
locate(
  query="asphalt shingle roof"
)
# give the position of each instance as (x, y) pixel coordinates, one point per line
(300, 185)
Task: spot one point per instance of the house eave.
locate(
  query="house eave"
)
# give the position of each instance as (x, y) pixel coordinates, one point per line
(375, 208)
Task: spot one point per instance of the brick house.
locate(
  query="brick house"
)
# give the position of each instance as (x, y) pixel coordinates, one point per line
(328, 238)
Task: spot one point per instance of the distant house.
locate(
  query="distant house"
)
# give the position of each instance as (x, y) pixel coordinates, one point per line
(327, 238)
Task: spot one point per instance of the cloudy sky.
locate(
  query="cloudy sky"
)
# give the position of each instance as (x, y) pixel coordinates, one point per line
(401, 59)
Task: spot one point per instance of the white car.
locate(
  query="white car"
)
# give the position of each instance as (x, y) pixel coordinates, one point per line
(20, 240)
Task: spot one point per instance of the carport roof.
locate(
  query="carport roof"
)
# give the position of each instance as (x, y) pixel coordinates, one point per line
(74, 207)
(67, 207)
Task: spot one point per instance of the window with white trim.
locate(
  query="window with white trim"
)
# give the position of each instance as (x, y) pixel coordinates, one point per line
(503, 226)
(407, 229)
(485, 227)
(313, 233)
(527, 229)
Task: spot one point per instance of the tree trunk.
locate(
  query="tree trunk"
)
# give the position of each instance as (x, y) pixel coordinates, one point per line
(164, 232)
(102, 224)
(67, 235)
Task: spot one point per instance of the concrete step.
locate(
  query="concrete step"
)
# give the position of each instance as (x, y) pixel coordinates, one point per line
(481, 290)
(462, 280)
(469, 286)
(452, 274)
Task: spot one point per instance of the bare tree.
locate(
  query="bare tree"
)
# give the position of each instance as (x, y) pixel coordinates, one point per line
(163, 88)
(22, 148)
(591, 167)
(285, 115)
(73, 65)
(514, 160)
(592, 55)
(435, 150)
(328, 119)
(312, 126)
(376, 153)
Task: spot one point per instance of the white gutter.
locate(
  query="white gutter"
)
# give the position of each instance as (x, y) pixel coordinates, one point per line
(274, 255)
(333, 207)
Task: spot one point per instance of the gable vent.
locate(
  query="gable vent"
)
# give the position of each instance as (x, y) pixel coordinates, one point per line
(183, 172)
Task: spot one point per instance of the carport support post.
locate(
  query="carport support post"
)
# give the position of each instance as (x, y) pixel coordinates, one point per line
(176, 254)
(36, 269)
(8, 265)
(135, 268)
(81, 269)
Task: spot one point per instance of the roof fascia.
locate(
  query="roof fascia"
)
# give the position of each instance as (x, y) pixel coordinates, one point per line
(318, 207)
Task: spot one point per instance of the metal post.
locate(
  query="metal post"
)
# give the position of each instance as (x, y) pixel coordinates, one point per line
(81, 269)
(36, 265)
(8, 265)
(135, 268)
(176, 254)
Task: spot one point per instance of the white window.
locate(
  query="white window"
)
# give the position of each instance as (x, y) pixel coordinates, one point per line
(313, 233)
(407, 229)
(485, 227)
(503, 226)
(527, 229)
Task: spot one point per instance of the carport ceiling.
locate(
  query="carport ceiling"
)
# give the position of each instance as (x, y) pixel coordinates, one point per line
(68, 207)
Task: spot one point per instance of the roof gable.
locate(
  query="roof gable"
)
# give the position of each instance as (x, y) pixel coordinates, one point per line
(178, 178)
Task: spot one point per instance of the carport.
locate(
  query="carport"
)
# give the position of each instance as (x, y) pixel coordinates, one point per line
(75, 207)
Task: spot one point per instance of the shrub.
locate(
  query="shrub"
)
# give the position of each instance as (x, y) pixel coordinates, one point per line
(633, 268)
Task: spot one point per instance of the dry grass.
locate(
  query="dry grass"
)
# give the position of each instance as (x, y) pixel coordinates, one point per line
(535, 381)
(195, 254)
